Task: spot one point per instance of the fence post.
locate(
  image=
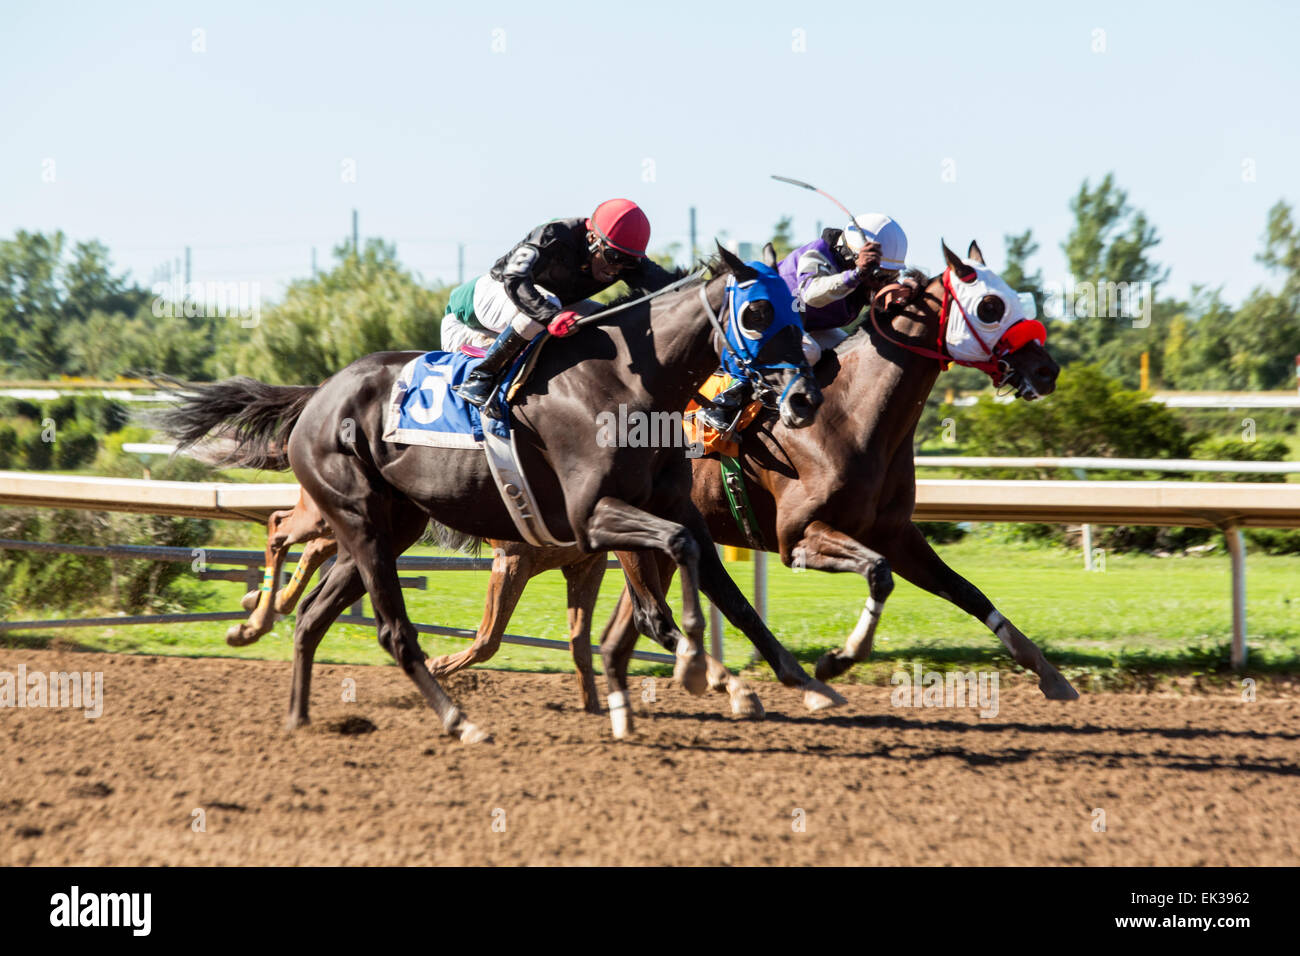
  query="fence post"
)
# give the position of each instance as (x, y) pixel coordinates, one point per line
(715, 625)
(1237, 549)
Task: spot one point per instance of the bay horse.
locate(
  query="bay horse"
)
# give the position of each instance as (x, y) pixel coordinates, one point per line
(376, 496)
(837, 496)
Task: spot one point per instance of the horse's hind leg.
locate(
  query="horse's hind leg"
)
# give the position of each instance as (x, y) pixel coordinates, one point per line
(616, 525)
(914, 559)
(317, 552)
(284, 529)
(511, 571)
(263, 599)
(822, 548)
(583, 579)
(340, 588)
(362, 523)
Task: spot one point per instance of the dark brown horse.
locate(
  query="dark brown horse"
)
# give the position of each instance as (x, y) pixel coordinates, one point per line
(837, 496)
(375, 495)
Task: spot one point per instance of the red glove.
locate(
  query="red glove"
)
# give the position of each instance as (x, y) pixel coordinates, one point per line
(564, 323)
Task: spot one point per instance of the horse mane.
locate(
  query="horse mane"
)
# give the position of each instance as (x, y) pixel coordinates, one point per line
(715, 266)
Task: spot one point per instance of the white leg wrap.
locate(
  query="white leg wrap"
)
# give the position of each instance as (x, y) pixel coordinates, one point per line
(866, 627)
(618, 713)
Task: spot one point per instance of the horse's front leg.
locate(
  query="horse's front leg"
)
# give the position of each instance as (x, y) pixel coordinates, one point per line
(620, 636)
(914, 559)
(722, 591)
(822, 548)
(616, 525)
(511, 572)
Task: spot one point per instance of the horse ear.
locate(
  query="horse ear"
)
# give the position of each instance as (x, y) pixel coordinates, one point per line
(964, 272)
(734, 265)
(769, 255)
(974, 253)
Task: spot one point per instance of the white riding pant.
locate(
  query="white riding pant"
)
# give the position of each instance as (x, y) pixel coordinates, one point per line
(814, 343)
(494, 311)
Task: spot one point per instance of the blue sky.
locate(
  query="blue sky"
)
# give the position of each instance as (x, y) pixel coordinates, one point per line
(238, 151)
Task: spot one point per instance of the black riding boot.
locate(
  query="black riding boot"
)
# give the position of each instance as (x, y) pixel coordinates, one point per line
(484, 380)
(726, 406)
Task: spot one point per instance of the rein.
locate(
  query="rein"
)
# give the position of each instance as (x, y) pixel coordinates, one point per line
(671, 287)
(990, 368)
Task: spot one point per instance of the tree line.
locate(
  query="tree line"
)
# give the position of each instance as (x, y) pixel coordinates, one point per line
(64, 311)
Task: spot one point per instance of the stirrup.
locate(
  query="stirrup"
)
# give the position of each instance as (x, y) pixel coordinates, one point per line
(477, 389)
(719, 418)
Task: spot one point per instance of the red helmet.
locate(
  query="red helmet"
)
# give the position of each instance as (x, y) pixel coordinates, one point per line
(621, 223)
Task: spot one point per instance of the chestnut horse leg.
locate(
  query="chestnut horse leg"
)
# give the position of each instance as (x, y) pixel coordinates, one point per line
(284, 529)
(583, 579)
(511, 571)
(317, 552)
(914, 559)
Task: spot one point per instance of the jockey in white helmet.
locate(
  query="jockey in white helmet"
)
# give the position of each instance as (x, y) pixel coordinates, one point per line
(832, 279)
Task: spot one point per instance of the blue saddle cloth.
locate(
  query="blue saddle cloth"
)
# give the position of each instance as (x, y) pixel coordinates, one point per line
(424, 409)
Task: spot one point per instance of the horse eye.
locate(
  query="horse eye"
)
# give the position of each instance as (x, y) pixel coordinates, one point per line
(991, 309)
(757, 318)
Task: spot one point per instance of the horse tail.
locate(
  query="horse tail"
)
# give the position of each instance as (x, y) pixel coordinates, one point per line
(451, 539)
(252, 420)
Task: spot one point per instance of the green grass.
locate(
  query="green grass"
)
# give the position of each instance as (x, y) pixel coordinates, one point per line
(1142, 615)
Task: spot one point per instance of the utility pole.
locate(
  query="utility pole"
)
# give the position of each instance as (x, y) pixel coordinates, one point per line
(187, 267)
(694, 249)
(460, 263)
(313, 261)
(356, 250)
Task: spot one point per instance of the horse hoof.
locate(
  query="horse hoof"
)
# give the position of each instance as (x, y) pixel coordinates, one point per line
(294, 722)
(746, 704)
(818, 696)
(238, 636)
(832, 664)
(249, 600)
(473, 734)
(690, 670)
(1056, 687)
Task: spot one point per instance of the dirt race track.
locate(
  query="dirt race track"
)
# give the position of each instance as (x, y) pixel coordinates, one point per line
(1182, 780)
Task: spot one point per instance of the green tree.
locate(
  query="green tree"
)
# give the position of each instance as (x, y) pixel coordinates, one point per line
(783, 237)
(1109, 244)
(47, 296)
(366, 303)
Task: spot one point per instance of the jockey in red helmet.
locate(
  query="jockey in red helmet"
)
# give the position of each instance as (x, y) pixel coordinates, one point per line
(536, 284)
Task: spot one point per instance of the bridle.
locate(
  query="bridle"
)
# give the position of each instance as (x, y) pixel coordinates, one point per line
(752, 370)
(1006, 378)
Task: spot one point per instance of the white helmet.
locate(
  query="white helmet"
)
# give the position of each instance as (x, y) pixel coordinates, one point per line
(878, 228)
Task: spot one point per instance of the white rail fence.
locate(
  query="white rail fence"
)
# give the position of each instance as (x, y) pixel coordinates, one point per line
(1228, 507)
